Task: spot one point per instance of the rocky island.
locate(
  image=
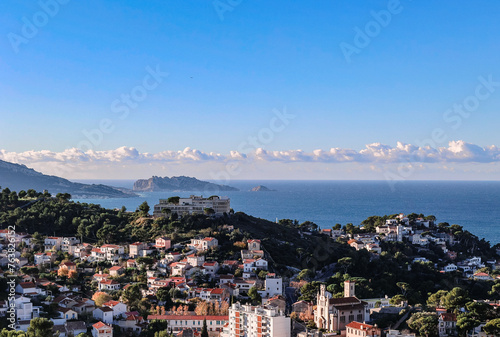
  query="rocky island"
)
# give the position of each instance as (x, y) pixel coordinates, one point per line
(175, 184)
(261, 188)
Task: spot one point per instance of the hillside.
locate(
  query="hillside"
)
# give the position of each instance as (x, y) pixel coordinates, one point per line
(182, 183)
(19, 177)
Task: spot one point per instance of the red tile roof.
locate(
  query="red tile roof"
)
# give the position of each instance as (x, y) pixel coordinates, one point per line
(448, 317)
(100, 325)
(481, 274)
(109, 282)
(26, 285)
(359, 326)
(111, 303)
(189, 317)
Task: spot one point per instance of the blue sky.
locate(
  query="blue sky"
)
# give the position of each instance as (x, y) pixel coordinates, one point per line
(227, 74)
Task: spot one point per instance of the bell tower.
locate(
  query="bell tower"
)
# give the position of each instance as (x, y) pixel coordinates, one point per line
(349, 287)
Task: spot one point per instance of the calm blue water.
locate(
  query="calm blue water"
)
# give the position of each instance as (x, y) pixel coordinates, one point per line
(472, 204)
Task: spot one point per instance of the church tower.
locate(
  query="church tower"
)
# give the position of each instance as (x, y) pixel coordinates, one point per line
(349, 289)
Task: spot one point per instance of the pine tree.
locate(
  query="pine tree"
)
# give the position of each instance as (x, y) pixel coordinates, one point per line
(204, 330)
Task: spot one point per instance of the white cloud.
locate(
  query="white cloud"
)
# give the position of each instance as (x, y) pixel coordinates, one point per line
(457, 151)
(335, 163)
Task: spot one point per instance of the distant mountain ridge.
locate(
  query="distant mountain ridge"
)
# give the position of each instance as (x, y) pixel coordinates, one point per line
(20, 177)
(181, 183)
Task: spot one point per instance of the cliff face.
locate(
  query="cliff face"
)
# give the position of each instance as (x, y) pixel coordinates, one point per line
(182, 183)
(19, 177)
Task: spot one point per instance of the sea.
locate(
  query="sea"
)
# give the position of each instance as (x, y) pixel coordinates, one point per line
(475, 205)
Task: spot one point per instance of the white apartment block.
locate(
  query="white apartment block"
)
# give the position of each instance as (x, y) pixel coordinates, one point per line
(194, 205)
(25, 311)
(273, 285)
(261, 321)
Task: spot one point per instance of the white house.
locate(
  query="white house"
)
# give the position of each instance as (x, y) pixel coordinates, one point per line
(137, 249)
(27, 289)
(109, 285)
(211, 268)
(196, 261)
(420, 240)
(482, 277)
(449, 268)
(179, 268)
(249, 265)
(273, 285)
(447, 324)
(102, 330)
(119, 308)
(104, 314)
(44, 258)
(25, 311)
(204, 244)
(68, 242)
(53, 243)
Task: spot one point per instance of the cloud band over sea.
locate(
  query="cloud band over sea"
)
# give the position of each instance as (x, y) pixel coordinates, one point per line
(457, 151)
(459, 160)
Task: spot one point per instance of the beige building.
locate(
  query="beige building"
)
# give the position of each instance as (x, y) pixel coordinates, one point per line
(178, 323)
(333, 314)
(193, 205)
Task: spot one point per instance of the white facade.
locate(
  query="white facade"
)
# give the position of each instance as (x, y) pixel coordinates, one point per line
(450, 267)
(180, 322)
(44, 258)
(194, 205)
(102, 330)
(103, 314)
(273, 285)
(119, 308)
(53, 243)
(258, 321)
(68, 242)
(25, 310)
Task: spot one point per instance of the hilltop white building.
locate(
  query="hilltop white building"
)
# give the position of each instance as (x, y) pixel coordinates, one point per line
(194, 205)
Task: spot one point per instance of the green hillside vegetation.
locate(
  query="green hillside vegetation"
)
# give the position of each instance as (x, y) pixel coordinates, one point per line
(287, 243)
